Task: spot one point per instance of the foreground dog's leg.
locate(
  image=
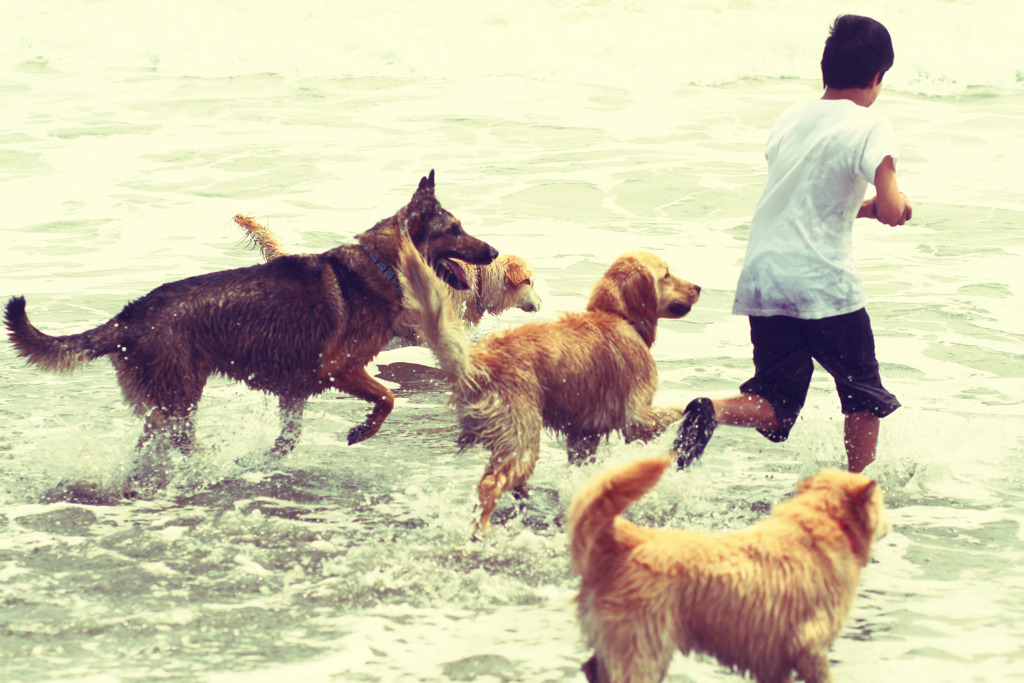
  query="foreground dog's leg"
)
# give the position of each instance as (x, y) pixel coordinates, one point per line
(813, 668)
(291, 426)
(361, 385)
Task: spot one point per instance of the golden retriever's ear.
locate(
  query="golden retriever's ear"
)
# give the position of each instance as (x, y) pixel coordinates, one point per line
(516, 271)
(627, 289)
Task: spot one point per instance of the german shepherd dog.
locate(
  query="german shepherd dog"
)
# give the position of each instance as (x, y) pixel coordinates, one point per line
(293, 327)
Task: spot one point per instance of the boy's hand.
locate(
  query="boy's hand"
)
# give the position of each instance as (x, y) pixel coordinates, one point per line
(869, 209)
(890, 206)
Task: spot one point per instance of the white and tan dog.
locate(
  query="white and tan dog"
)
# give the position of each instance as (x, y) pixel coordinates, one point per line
(768, 601)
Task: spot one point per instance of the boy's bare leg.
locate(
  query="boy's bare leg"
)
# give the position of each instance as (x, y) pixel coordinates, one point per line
(860, 432)
(746, 410)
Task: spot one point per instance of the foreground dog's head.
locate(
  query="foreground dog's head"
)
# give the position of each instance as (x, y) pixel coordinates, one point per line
(639, 287)
(851, 501)
(439, 236)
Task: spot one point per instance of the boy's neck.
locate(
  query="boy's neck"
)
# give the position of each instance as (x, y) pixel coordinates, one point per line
(860, 96)
(863, 97)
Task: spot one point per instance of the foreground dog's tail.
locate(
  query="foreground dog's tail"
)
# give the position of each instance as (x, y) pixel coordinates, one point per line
(601, 500)
(261, 236)
(61, 354)
(435, 319)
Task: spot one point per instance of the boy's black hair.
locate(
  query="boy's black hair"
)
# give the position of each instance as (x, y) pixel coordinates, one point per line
(857, 48)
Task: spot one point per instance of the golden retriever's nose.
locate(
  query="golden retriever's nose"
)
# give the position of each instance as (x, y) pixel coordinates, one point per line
(697, 288)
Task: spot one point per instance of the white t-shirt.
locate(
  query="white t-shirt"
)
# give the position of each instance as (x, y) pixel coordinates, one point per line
(799, 263)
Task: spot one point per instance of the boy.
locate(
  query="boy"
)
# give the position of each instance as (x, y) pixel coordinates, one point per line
(799, 285)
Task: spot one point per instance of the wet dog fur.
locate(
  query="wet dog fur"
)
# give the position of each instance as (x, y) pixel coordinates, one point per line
(506, 282)
(585, 375)
(767, 601)
(293, 327)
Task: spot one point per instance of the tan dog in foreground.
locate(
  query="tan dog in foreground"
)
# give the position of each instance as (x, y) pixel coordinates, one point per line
(585, 375)
(766, 601)
(506, 282)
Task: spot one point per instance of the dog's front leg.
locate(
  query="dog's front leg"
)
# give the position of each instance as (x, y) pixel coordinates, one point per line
(361, 385)
(291, 426)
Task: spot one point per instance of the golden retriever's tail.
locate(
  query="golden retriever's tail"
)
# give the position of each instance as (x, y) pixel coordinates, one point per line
(434, 318)
(60, 354)
(261, 236)
(604, 497)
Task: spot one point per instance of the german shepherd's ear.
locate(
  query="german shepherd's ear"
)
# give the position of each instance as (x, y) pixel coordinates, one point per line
(421, 208)
(426, 184)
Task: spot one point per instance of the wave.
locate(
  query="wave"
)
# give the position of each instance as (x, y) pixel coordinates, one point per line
(941, 47)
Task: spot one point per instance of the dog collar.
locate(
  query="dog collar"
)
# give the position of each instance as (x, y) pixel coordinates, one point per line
(480, 290)
(385, 268)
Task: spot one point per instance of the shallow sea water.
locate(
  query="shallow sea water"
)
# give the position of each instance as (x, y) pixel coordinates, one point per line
(356, 563)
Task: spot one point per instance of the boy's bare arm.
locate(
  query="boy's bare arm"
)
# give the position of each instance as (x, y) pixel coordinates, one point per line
(889, 205)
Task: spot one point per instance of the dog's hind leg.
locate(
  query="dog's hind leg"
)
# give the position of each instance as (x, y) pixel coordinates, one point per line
(166, 428)
(162, 432)
(505, 470)
(581, 447)
(291, 426)
(359, 384)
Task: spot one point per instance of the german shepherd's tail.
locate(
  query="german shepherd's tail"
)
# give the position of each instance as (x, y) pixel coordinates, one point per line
(435, 318)
(61, 354)
(260, 236)
(595, 507)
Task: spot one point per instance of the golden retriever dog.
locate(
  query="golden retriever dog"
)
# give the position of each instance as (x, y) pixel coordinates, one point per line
(293, 327)
(585, 375)
(766, 601)
(506, 282)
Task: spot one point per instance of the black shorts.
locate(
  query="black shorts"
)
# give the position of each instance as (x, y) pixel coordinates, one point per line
(844, 345)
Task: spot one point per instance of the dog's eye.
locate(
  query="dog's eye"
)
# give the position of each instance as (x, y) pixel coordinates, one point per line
(525, 282)
(667, 276)
(455, 230)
